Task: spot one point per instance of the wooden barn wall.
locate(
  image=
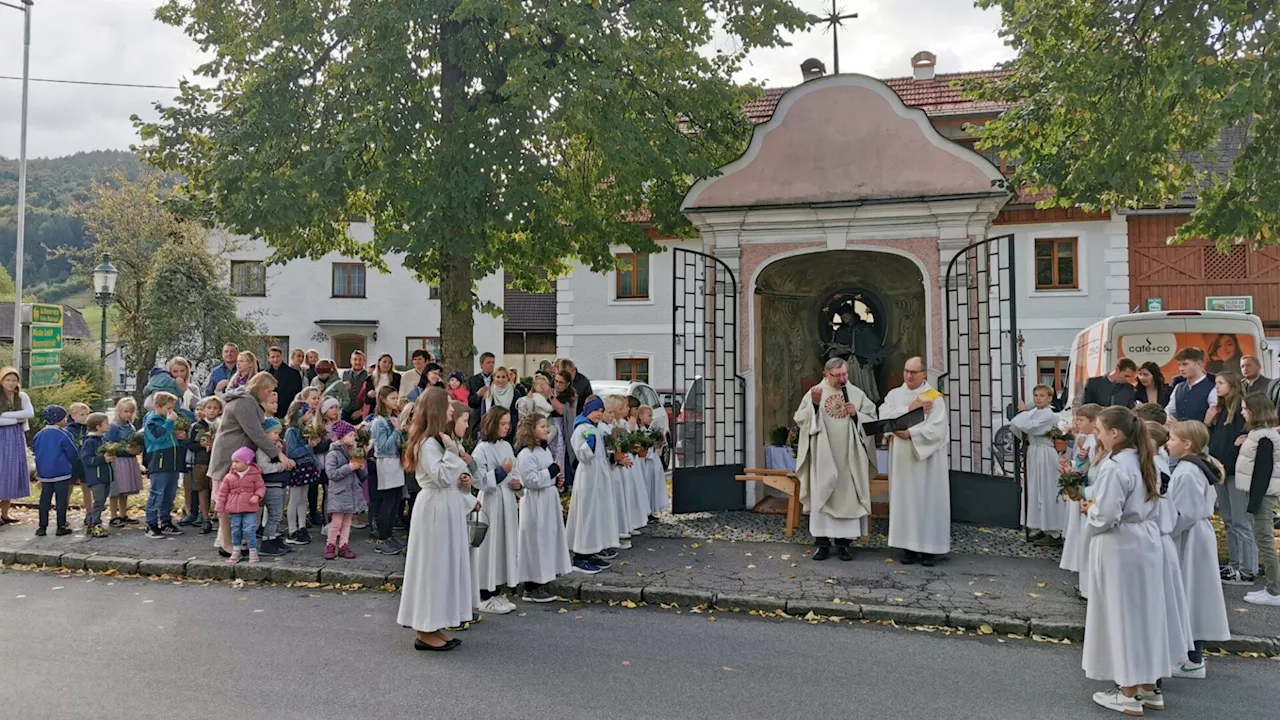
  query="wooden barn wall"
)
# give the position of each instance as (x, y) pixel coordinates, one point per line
(1183, 275)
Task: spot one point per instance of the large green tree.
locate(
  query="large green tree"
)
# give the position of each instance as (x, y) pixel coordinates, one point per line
(473, 134)
(1113, 99)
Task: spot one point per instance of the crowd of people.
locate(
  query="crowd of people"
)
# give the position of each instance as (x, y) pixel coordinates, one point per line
(1130, 502)
(264, 455)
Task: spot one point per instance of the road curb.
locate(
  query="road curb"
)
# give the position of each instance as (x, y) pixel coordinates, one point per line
(571, 589)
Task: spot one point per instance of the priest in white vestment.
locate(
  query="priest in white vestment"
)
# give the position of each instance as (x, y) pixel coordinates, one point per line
(834, 462)
(919, 479)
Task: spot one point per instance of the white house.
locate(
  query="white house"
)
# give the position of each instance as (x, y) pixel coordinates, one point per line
(337, 305)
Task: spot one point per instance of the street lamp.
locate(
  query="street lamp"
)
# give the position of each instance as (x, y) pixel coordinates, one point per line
(104, 290)
(24, 7)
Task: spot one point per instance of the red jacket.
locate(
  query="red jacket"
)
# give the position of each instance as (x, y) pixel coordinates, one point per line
(235, 491)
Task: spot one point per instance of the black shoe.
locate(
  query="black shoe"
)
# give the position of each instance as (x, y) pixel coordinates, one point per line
(292, 539)
(223, 553)
(116, 522)
(304, 537)
(387, 547)
(271, 548)
(189, 520)
(928, 559)
(822, 553)
(208, 528)
(41, 532)
(449, 645)
(607, 554)
(600, 562)
(154, 533)
(843, 553)
(170, 529)
(64, 530)
(539, 595)
(1037, 535)
(909, 557)
(259, 532)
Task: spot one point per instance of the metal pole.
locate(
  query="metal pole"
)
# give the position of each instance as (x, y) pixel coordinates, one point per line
(102, 354)
(22, 193)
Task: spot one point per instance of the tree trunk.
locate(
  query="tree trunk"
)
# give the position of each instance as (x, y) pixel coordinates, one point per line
(141, 376)
(457, 317)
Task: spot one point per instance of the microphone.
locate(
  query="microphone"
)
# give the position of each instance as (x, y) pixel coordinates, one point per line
(844, 390)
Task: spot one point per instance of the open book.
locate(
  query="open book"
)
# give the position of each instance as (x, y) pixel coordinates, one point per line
(903, 422)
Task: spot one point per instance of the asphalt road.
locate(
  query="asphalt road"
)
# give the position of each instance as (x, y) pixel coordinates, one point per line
(77, 646)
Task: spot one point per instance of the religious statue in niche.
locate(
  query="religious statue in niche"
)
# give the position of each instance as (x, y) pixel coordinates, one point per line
(849, 329)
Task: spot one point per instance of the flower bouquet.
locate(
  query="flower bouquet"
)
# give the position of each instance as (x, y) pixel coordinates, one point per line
(1061, 439)
(181, 425)
(656, 437)
(136, 445)
(616, 446)
(1071, 484)
(203, 437)
(363, 437)
(641, 441)
(311, 431)
(793, 440)
(356, 454)
(114, 449)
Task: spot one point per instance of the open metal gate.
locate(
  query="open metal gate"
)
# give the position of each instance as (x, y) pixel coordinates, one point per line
(982, 383)
(709, 432)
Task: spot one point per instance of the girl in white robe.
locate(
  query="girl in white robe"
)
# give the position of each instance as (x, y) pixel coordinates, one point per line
(438, 590)
(544, 550)
(1191, 490)
(633, 480)
(1180, 642)
(623, 473)
(1075, 538)
(1045, 509)
(592, 526)
(655, 478)
(497, 480)
(1126, 629)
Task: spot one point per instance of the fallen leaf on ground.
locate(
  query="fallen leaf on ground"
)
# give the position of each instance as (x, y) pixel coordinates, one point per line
(751, 567)
(726, 668)
(888, 560)
(786, 557)
(628, 604)
(626, 662)
(561, 611)
(1032, 595)
(711, 619)
(979, 594)
(899, 572)
(1040, 585)
(985, 630)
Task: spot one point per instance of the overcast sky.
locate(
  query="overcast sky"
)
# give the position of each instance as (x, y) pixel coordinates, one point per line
(118, 41)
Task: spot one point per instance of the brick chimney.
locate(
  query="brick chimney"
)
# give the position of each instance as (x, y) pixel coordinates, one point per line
(923, 64)
(812, 69)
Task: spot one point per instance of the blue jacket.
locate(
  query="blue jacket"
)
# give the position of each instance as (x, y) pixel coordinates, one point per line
(161, 381)
(97, 471)
(297, 447)
(386, 438)
(78, 434)
(55, 453)
(162, 452)
(219, 374)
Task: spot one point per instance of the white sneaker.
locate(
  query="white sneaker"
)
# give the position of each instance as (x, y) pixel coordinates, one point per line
(1113, 699)
(625, 545)
(496, 606)
(637, 532)
(1263, 597)
(510, 606)
(1188, 670)
(1153, 700)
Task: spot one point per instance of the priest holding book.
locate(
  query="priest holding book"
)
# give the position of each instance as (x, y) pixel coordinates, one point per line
(919, 481)
(834, 460)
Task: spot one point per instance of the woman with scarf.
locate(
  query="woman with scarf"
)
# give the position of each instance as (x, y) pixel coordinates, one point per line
(502, 393)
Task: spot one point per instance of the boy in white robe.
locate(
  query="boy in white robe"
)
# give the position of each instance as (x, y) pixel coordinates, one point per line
(592, 526)
(1045, 514)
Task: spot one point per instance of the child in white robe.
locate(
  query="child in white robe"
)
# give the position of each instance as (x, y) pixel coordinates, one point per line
(544, 551)
(497, 480)
(1175, 598)
(1046, 511)
(633, 481)
(1075, 538)
(1126, 629)
(1191, 490)
(655, 478)
(592, 526)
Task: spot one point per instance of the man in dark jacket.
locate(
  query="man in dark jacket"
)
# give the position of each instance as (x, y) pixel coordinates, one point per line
(478, 386)
(1114, 388)
(581, 384)
(354, 380)
(1254, 381)
(288, 380)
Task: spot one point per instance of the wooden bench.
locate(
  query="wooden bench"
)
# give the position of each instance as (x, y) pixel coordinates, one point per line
(788, 484)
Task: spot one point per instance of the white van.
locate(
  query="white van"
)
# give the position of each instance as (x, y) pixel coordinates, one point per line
(1157, 336)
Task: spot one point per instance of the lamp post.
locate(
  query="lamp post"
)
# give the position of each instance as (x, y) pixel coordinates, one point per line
(104, 290)
(24, 7)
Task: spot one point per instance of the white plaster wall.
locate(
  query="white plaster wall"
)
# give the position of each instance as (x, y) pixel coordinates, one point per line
(594, 328)
(300, 292)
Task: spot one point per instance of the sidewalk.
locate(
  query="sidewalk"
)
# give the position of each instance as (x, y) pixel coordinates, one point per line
(1010, 594)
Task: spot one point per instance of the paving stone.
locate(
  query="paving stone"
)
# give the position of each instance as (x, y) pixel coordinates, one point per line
(48, 558)
(972, 621)
(294, 573)
(74, 561)
(396, 578)
(8, 556)
(347, 576)
(253, 572)
(210, 570)
(731, 601)
(800, 608)
(1246, 643)
(605, 593)
(655, 595)
(173, 568)
(566, 588)
(1058, 629)
(904, 615)
(102, 563)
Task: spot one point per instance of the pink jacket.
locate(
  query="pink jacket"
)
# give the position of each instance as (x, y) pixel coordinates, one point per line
(235, 491)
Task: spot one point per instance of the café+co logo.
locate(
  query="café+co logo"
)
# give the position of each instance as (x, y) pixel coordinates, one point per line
(1158, 348)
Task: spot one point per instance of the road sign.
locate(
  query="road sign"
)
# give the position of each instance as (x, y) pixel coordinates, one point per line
(46, 314)
(45, 358)
(1230, 303)
(45, 337)
(1155, 304)
(45, 377)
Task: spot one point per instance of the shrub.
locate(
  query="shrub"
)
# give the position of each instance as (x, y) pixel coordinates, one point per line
(65, 394)
(80, 361)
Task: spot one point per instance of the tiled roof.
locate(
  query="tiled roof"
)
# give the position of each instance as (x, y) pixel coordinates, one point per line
(74, 326)
(937, 96)
(531, 312)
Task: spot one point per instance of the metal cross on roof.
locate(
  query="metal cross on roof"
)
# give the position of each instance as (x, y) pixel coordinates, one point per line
(834, 21)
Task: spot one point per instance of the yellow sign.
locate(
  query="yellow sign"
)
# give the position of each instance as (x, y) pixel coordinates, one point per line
(45, 377)
(46, 337)
(46, 314)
